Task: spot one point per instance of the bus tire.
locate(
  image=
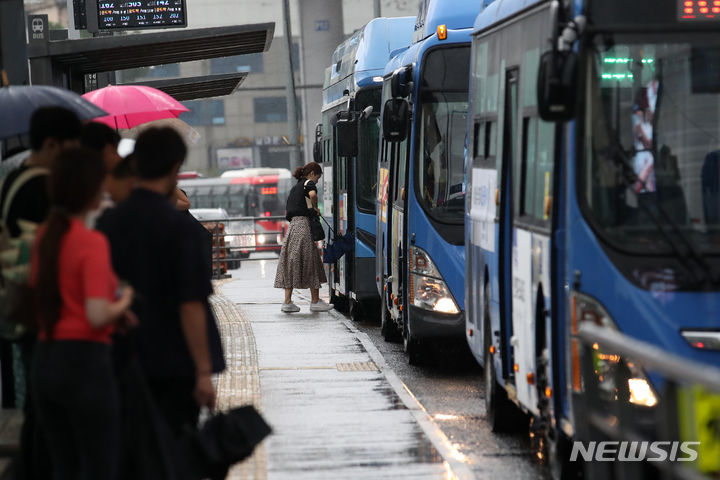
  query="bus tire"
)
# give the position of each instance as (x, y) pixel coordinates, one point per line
(502, 415)
(411, 346)
(388, 329)
(340, 302)
(357, 312)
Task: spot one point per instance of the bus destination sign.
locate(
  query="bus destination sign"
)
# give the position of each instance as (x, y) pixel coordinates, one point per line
(139, 14)
(689, 10)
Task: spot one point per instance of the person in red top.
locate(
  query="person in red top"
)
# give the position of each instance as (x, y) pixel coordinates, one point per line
(74, 387)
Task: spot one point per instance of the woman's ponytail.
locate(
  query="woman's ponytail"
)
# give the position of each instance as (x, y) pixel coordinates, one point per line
(299, 173)
(48, 299)
(74, 185)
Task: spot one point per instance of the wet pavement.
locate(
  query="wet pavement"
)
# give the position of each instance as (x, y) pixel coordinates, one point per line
(344, 404)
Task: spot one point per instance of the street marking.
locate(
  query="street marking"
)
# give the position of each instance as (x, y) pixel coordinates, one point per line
(262, 369)
(340, 367)
(455, 461)
(358, 367)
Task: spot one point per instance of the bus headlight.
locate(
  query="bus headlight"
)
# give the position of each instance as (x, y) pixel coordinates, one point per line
(261, 239)
(427, 288)
(607, 365)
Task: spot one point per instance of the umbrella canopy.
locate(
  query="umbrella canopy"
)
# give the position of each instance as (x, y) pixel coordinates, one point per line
(132, 105)
(17, 105)
(190, 135)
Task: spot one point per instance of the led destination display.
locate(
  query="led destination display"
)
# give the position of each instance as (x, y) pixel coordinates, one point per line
(699, 9)
(137, 14)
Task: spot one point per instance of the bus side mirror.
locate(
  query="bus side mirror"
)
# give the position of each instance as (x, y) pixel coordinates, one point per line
(347, 138)
(317, 146)
(317, 152)
(396, 120)
(557, 86)
(400, 82)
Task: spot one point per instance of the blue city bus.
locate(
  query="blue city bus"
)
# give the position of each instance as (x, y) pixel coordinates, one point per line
(592, 178)
(421, 196)
(351, 96)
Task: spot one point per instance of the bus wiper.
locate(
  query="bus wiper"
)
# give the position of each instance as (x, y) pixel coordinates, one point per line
(690, 254)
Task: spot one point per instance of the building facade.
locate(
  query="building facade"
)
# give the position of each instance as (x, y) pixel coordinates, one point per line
(249, 127)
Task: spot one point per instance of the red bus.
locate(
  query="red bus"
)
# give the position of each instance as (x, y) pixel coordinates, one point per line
(267, 191)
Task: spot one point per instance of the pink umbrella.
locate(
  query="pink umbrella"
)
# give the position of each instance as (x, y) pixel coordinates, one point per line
(131, 105)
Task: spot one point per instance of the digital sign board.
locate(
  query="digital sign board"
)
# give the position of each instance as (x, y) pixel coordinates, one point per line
(140, 14)
(689, 10)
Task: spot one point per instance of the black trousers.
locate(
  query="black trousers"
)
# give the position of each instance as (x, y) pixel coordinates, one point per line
(174, 399)
(77, 406)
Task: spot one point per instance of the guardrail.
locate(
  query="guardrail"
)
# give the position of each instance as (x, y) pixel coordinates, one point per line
(235, 238)
(686, 410)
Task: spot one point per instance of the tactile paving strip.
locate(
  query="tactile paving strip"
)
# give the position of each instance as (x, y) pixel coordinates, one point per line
(239, 384)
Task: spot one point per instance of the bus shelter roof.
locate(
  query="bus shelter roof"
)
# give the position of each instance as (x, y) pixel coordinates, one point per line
(104, 54)
(192, 88)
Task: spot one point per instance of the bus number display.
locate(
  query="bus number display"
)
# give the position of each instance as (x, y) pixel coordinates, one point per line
(698, 10)
(269, 191)
(139, 14)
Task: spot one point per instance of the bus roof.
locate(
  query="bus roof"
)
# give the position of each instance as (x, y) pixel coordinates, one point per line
(455, 15)
(202, 182)
(260, 180)
(360, 60)
(257, 172)
(497, 10)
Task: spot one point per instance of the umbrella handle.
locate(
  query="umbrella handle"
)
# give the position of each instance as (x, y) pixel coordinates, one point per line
(326, 223)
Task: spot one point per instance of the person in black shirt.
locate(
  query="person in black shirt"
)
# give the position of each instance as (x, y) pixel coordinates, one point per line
(300, 265)
(159, 251)
(52, 130)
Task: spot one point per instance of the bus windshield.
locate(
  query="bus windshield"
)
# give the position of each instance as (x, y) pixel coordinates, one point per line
(268, 199)
(441, 155)
(652, 142)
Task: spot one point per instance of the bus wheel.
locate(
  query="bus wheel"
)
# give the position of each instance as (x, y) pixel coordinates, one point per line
(357, 312)
(411, 346)
(340, 302)
(388, 329)
(502, 415)
(561, 468)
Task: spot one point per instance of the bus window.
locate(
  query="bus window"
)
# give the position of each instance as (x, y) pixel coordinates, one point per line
(264, 201)
(367, 165)
(442, 155)
(237, 198)
(203, 198)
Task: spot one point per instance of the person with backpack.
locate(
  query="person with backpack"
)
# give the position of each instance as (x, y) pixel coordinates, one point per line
(23, 194)
(78, 302)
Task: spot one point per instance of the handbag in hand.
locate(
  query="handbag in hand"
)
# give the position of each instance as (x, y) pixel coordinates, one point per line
(316, 229)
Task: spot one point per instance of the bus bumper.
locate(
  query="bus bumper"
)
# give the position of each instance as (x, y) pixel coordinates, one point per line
(429, 325)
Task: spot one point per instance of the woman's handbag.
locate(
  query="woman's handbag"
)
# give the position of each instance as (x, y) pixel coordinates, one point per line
(316, 229)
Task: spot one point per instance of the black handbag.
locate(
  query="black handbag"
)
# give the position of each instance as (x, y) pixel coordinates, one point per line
(316, 229)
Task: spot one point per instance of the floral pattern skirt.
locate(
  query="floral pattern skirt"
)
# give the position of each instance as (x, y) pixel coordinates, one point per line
(300, 265)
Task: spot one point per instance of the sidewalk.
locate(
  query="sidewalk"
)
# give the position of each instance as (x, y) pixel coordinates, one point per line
(320, 385)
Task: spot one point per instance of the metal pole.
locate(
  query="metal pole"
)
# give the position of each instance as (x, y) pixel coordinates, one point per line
(292, 107)
(376, 8)
(72, 33)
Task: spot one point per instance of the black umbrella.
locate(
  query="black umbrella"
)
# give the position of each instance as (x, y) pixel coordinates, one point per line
(17, 105)
(338, 246)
